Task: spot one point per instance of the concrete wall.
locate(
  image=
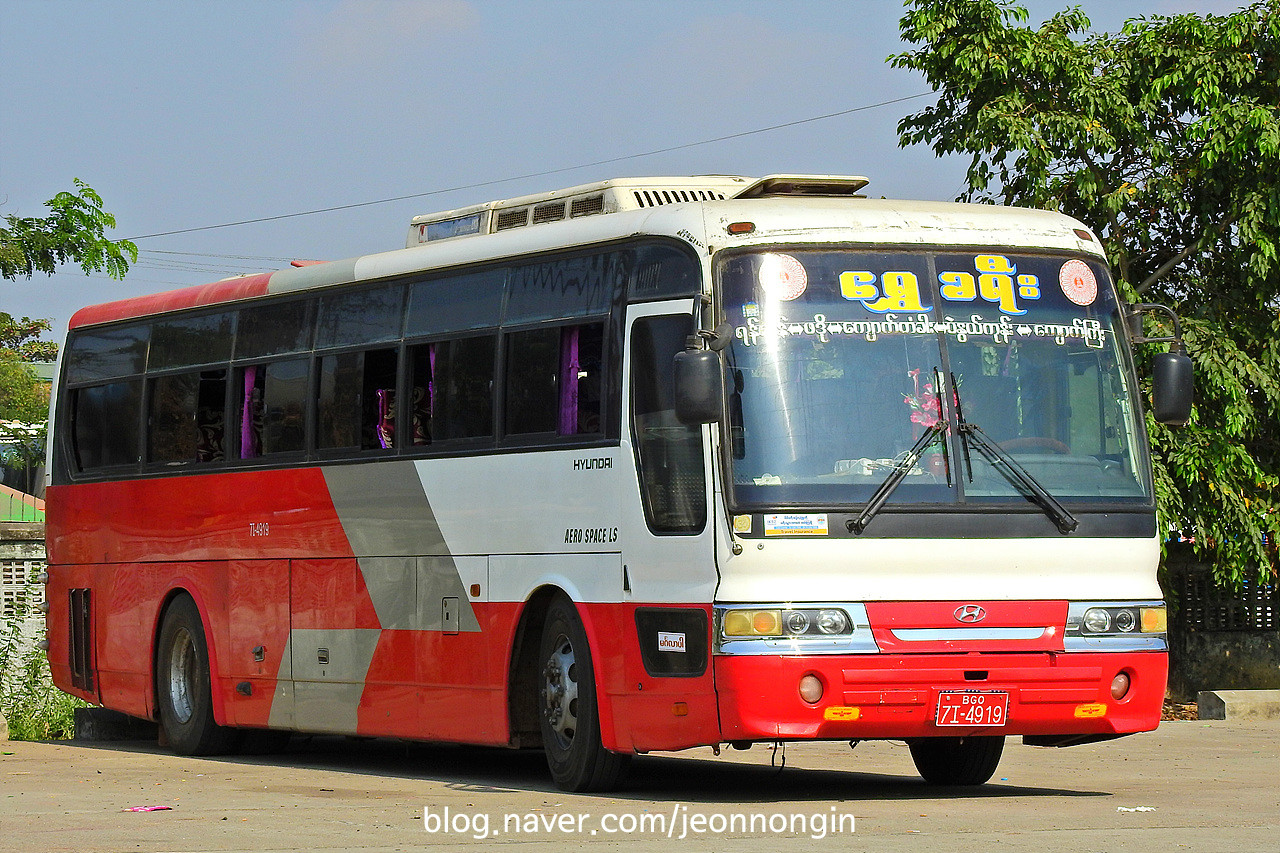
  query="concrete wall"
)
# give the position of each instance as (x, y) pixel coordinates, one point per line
(22, 557)
(1220, 639)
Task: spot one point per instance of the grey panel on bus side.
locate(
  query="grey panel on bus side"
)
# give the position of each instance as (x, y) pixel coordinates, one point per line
(403, 557)
(315, 275)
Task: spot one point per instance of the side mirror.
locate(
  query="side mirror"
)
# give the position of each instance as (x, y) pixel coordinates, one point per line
(1172, 388)
(699, 386)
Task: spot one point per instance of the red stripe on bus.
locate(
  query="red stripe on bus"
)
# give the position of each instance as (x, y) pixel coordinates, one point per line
(173, 300)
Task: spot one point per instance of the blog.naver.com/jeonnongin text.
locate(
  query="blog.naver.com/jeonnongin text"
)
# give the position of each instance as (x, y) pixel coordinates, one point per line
(676, 823)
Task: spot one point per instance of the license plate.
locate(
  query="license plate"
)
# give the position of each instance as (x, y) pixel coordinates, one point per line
(973, 708)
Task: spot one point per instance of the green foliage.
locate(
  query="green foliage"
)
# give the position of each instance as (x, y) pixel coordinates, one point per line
(73, 232)
(24, 398)
(1165, 137)
(33, 707)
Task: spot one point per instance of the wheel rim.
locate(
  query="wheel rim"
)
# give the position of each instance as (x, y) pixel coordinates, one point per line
(182, 675)
(560, 692)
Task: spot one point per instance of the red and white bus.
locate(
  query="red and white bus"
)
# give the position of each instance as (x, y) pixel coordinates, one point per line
(637, 465)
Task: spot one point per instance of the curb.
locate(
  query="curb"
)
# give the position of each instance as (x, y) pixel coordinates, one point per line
(1239, 705)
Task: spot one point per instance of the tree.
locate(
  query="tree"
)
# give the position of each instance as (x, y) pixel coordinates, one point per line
(1165, 138)
(73, 232)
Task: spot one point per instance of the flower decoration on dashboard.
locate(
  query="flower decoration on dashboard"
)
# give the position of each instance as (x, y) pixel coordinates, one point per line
(925, 404)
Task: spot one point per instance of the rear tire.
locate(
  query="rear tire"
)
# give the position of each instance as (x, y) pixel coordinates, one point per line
(957, 760)
(183, 685)
(567, 707)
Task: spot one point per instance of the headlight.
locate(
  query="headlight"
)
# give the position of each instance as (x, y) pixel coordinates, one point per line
(833, 622)
(1097, 620)
(789, 622)
(1116, 626)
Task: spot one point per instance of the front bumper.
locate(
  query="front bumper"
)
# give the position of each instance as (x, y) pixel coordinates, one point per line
(896, 696)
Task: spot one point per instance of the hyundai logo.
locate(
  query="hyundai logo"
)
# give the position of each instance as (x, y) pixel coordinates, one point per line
(970, 613)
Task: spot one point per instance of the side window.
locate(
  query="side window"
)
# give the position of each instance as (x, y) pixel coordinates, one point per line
(356, 406)
(533, 374)
(455, 382)
(555, 380)
(273, 404)
(185, 417)
(669, 453)
(104, 424)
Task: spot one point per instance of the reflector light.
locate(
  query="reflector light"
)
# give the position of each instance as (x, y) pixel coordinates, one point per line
(841, 712)
(741, 227)
(680, 709)
(1084, 235)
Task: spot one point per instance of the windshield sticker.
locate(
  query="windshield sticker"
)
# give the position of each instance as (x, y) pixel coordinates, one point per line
(997, 281)
(994, 279)
(782, 277)
(1002, 331)
(795, 524)
(1078, 283)
(894, 290)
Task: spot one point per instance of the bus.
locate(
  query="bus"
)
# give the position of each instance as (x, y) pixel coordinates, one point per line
(644, 464)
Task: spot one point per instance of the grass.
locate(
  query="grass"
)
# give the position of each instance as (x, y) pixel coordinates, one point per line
(34, 708)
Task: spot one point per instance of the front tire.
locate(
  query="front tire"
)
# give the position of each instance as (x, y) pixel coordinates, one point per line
(957, 760)
(183, 685)
(567, 707)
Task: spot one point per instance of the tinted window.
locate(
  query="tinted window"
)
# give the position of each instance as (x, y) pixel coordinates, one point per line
(360, 317)
(107, 353)
(274, 329)
(356, 403)
(185, 417)
(567, 287)
(190, 341)
(555, 380)
(669, 452)
(533, 374)
(456, 304)
(273, 404)
(662, 272)
(105, 424)
(462, 388)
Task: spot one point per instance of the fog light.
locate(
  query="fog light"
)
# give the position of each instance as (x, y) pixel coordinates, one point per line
(811, 689)
(1120, 686)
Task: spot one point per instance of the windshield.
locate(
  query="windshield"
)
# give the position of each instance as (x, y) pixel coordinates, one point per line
(842, 362)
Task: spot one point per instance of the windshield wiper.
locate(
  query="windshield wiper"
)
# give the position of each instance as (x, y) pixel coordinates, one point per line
(895, 478)
(1016, 474)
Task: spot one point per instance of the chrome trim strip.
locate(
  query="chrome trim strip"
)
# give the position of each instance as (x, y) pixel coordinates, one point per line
(918, 635)
(1114, 643)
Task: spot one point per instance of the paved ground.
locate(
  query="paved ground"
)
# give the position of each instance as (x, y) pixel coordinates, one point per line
(1200, 786)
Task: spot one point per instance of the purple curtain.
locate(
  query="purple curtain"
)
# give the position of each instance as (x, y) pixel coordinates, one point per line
(250, 419)
(569, 381)
(386, 427)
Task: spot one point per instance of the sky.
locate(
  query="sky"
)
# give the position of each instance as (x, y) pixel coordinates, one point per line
(188, 115)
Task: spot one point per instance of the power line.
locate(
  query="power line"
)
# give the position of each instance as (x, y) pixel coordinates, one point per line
(541, 174)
